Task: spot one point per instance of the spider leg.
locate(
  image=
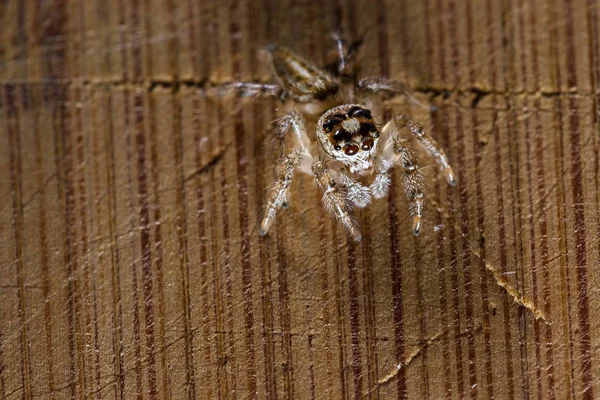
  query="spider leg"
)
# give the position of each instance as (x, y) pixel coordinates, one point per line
(357, 194)
(429, 144)
(346, 54)
(285, 169)
(293, 121)
(334, 199)
(247, 89)
(377, 84)
(303, 81)
(412, 180)
(300, 157)
(373, 85)
(381, 183)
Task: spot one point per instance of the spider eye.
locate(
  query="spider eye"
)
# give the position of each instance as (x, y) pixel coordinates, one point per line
(337, 147)
(330, 124)
(338, 136)
(351, 150)
(362, 112)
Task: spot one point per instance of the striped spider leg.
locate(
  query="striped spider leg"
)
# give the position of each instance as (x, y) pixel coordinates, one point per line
(298, 158)
(398, 151)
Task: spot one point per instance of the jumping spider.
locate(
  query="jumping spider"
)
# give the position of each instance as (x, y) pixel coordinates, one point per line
(354, 155)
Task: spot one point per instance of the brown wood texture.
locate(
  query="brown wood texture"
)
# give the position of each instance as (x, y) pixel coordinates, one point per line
(131, 265)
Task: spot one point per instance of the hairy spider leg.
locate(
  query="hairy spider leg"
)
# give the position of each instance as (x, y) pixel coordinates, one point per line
(247, 89)
(373, 85)
(429, 144)
(346, 54)
(357, 194)
(412, 181)
(299, 157)
(334, 199)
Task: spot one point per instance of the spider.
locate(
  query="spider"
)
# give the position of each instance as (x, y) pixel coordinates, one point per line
(349, 153)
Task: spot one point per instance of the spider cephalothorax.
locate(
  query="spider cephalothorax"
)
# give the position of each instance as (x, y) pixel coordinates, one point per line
(351, 163)
(349, 134)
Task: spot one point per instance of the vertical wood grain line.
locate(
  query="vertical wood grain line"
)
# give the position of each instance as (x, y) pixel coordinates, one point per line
(202, 243)
(439, 119)
(286, 324)
(88, 354)
(370, 314)
(134, 278)
(2, 344)
(453, 252)
(174, 46)
(264, 248)
(96, 256)
(595, 72)
(477, 151)
(192, 37)
(464, 199)
(579, 211)
(202, 233)
(144, 214)
(421, 312)
(324, 275)
(226, 250)
(339, 306)
(242, 185)
(221, 350)
(541, 188)
(533, 256)
(266, 295)
(158, 247)
(514, 161)
(64, 160)
(19, 40)
(560, 203)
(500, 214)
(117, 312)
(211, 19)
(396, 262)
(45, 261)
(502, 248)
(354, 317)
(137, 362)
(40, 97)
(543, 229)
(565, 277)
(182, 237)
(16, 173)
(146, 252)
(454, 282)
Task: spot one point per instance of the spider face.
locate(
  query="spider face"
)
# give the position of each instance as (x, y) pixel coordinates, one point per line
(348, 134)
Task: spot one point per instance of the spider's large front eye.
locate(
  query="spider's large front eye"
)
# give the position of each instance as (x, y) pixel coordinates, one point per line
(330, 124)
(362, 112)
(351, 149)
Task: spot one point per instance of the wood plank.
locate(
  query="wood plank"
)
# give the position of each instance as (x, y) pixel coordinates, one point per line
(131, 264)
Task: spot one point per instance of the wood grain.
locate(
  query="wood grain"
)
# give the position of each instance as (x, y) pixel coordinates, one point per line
(131, 265)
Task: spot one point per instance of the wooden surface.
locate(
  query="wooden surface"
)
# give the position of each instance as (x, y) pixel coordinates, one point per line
(130, 261)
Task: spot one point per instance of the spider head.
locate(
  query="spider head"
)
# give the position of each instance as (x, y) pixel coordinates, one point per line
(348, 134)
